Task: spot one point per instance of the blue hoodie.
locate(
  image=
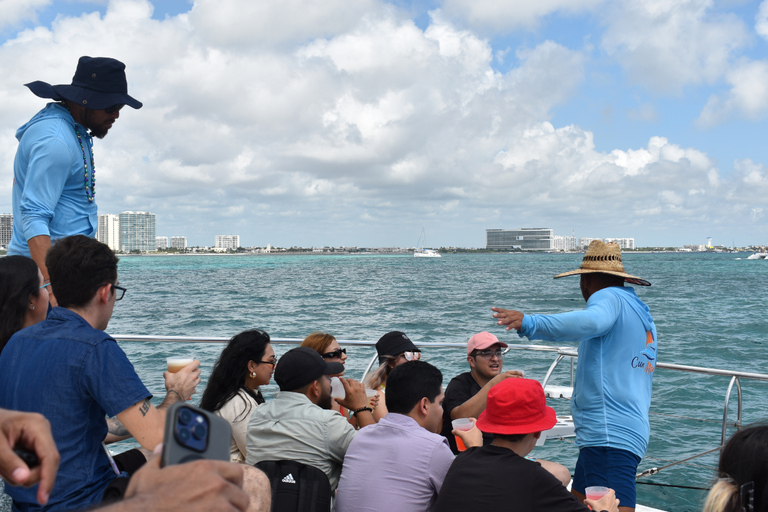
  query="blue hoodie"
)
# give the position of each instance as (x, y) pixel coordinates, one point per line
(614, 375)
(49, 180)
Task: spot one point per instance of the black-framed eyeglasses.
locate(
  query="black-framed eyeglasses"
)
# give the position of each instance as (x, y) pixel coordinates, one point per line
(489, 353)
(335, 353)
(119, 296)
(114, 108)
(272, 362)
(120, 289)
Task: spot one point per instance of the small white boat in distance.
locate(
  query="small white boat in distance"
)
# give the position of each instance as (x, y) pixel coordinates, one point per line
(420, 251)
(759, 256)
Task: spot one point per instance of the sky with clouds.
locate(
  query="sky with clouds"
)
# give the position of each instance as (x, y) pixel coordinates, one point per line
(299, 122)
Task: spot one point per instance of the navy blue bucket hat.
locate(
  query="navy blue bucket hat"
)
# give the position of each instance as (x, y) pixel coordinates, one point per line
(99, 83)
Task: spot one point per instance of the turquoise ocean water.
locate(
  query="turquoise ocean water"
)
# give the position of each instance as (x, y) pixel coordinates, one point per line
(709, 311)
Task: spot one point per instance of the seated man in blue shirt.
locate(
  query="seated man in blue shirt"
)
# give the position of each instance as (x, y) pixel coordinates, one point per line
(617, 357)
(403, 455)
(73, 373)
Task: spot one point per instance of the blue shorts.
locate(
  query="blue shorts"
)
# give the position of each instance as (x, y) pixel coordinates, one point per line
(609, 467)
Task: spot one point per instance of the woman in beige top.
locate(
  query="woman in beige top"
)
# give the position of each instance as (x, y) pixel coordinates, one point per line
(246, 363)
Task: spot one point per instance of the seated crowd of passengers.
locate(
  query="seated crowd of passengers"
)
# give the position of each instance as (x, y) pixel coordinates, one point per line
(392, 448)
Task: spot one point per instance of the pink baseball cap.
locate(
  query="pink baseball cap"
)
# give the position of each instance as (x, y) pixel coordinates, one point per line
(483, 340)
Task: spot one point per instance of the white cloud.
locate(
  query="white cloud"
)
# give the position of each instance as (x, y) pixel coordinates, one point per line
(761, 20)
(510, 14)
(666, 45)
(15, 11)
(747, 98)
(348, 126)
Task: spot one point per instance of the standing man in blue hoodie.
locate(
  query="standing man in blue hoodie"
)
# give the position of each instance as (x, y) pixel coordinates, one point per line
(54, 176)
(617, 358)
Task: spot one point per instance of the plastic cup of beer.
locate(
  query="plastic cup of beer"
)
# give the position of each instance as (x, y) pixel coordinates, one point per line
(176, 363)
(595, 492)
(461, 424)
(337, 388)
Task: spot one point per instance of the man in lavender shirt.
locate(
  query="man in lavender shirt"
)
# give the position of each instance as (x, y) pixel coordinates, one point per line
(400, 462)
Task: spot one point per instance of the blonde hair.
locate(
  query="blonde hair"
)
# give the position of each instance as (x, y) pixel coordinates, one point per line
(378, 377)
(723, 497)
(318, 341)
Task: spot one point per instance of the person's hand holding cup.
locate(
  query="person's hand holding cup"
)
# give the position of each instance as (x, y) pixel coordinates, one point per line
(466, 433)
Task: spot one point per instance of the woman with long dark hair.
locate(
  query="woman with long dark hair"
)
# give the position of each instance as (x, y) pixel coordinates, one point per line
(246, 363)
(743, 473)
(23, 296)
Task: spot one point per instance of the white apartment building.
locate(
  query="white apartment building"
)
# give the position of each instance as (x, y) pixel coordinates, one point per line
(584, 242)
(565, 243)
(179, 242)
(161, 242)
(624, 243)
(108, 231)
(137, 231)
(227, 242)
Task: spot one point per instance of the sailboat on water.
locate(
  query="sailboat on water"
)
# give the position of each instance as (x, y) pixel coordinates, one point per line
(420, 251)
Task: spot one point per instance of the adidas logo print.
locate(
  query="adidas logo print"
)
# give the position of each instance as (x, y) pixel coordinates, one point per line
(288, 479)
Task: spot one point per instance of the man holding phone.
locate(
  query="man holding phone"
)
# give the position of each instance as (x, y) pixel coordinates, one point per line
(83, 376)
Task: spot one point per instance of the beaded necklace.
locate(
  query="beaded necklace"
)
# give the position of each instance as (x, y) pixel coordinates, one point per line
(90, 192)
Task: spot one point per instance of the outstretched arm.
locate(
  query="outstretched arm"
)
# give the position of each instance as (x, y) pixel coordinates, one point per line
(509, 317)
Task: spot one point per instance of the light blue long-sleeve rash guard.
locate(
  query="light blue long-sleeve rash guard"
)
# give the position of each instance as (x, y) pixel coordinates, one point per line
(614, 375)
(49, 180)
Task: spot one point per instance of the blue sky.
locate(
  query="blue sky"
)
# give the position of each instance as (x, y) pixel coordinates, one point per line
(354, 123)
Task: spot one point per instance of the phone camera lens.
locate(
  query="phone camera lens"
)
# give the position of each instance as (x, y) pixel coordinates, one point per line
(185, 416)
(199, 431)
(184, 434)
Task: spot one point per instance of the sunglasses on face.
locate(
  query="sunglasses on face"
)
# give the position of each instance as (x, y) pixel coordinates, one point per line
(272, 362)
(114, 108)
(411, 355)
(335, 353)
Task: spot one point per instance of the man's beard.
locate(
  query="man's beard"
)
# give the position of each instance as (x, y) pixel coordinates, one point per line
(325, 401)
(99, 132)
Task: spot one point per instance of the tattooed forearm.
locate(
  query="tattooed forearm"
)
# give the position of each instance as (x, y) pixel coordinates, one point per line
(144, 409)
(116, 428)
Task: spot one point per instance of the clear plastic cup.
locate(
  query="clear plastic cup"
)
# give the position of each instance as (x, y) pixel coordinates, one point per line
(176, 363)
(337, 388)
(595, 492)
(461, 424)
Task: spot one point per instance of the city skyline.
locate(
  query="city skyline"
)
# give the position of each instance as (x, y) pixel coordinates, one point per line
(356, 124)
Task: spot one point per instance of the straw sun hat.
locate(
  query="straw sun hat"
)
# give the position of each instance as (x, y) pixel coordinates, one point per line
(604, 259)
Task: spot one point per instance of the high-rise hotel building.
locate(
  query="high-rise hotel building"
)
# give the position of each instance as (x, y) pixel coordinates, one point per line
(108, 231)
(526, 239)
(178, 242)
(227, 242)
(6, 229)
(137, 231)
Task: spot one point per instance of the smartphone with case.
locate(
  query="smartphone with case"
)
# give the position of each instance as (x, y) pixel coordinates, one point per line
(192, 433)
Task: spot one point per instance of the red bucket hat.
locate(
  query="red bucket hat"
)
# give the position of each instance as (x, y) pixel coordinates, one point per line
(516, 406)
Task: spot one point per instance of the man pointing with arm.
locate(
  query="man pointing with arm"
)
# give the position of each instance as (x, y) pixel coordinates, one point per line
(617, 358)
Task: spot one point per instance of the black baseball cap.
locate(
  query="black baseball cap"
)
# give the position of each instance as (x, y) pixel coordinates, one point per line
(395, 343)
(302, 365)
